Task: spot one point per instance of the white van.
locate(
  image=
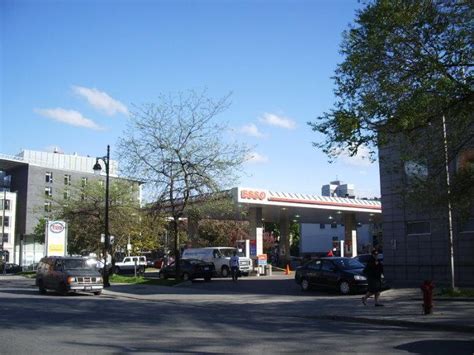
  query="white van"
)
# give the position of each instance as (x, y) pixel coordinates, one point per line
(220, 256)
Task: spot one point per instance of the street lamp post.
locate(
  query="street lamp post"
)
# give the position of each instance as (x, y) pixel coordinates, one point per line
(5, 185)
(97, 169)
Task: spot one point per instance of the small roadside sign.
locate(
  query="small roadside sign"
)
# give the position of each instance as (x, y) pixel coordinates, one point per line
(262, 259)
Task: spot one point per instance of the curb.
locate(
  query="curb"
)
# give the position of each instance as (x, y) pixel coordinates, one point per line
(396, 322)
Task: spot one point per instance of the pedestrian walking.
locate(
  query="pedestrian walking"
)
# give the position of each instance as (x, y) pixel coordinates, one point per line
(373, 272)
(234, 266)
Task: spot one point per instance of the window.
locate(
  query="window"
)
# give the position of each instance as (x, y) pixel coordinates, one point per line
(7, 204)
(84, 182)
(469, 225)
(333, 225)
(48, 191)
(67, 179)
(421, 227)
(327, 265)
(47, 206)
(7, 221)
(5, 237)
(322, 226)
(314, 265)
(67, 194)
(49, 177)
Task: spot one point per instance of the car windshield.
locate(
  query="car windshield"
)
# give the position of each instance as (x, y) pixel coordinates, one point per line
(76, 264)
(348, 264)
(229, 252)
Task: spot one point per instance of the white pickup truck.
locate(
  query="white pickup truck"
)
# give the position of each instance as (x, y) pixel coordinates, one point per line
(129, 263)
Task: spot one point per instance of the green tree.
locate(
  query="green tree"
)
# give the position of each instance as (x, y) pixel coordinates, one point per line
(407, 63)
(84, 211)
(178, 149)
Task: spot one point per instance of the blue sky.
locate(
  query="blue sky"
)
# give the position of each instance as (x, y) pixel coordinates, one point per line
(71, 71)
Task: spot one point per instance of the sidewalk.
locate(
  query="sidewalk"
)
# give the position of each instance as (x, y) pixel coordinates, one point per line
(403, 307)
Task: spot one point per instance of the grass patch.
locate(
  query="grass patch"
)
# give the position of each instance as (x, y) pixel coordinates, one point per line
(29, 274)
(141, 280)
(447, 292)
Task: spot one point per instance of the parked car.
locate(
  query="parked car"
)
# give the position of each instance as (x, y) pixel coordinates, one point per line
(337, 273)
(10, 268)
(220, 257)
(190, 269)
(364, 258)
(67, 274)
(129, 263)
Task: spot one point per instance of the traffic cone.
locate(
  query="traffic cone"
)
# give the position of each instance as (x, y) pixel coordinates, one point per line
(287, 271)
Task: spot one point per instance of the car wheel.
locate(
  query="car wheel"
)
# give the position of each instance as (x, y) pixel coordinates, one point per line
(41, 288)
(344, 287)
(185, 276)
(63, 289)
(117, 270)
(304, 285)
(225, 271)
(97, 293)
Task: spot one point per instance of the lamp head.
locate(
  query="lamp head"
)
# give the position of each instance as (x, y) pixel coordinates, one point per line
(97, 168)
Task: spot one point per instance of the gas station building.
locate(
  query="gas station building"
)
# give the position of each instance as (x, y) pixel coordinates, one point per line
(284, 208)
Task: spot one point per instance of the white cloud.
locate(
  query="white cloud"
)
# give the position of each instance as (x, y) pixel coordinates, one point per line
(70, 117)
(101, 100)
(251, 130)
(361, 159)
(255, 158)
(276, 120)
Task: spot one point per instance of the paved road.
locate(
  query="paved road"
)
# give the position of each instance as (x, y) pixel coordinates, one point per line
(194, 319)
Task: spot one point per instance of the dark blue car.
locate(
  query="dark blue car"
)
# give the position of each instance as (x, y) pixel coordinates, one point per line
(341, 274)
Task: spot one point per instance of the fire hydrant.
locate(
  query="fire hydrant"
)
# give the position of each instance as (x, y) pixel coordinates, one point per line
(427, 289)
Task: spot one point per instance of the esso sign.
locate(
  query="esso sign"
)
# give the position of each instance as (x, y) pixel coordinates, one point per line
(252, 195)
(56, 227)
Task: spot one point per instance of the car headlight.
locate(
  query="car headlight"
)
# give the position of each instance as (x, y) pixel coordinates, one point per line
(360, 278)
(98, 279)
(71, 279)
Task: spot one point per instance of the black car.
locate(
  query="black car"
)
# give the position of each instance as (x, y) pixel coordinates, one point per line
(342, 274)
(10, 268)
(190, 269)
(364, 258)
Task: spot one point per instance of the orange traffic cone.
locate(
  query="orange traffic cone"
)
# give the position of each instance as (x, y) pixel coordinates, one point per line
(287, 271)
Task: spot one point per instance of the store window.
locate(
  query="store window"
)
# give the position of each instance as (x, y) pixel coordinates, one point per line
(419, 227)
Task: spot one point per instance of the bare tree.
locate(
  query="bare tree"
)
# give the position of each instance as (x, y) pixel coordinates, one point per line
(178, 149)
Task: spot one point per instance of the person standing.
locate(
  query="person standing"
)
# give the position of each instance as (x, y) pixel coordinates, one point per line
(373, 272)
(234, 265)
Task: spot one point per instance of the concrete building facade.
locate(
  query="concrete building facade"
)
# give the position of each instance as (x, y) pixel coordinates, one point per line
(37, 178)
(417, 239)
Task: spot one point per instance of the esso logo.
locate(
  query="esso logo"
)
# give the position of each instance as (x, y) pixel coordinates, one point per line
(253, 195)
(56, 227)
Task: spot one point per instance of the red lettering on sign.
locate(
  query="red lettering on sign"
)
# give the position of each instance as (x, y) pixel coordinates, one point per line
(252, 195)
(56, 227)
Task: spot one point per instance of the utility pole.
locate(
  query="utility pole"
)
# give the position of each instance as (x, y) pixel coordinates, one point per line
(450, 218)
